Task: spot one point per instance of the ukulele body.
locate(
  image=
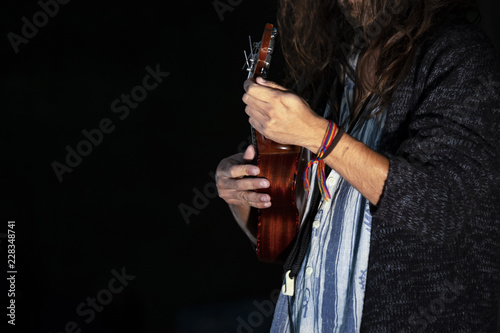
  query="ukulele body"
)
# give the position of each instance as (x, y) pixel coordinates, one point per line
(277, 225)
(283, 166)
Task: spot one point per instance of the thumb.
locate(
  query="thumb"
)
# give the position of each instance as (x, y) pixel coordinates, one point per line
(249, 154)
(270, 84)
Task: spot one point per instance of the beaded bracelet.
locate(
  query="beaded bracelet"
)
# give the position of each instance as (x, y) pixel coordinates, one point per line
(332, 137)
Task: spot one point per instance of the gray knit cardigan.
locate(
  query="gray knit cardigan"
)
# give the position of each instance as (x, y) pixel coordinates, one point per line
(434, 252)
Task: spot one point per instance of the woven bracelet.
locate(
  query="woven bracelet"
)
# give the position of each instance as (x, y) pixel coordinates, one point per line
(330, 140)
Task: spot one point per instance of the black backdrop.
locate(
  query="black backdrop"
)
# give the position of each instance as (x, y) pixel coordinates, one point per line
(136, 226)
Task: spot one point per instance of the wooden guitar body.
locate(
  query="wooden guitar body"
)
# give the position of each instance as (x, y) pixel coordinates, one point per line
(278, 225)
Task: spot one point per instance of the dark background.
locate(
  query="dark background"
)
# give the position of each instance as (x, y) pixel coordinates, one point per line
(121, 207)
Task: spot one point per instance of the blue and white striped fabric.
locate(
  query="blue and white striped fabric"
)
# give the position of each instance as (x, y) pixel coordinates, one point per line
(329, 290)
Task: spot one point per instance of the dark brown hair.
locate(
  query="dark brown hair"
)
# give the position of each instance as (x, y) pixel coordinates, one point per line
(317, 40)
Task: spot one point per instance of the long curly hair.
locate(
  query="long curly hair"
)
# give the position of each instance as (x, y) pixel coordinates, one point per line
(318, 38)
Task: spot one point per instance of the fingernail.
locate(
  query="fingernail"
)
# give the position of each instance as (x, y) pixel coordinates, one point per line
(254, 171)
(265, 198)
(265, 183)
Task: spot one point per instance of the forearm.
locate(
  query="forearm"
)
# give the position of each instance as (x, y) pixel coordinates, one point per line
(365, 169)
(244, 217)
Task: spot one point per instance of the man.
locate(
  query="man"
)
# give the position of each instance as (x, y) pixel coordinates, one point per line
(410, 240)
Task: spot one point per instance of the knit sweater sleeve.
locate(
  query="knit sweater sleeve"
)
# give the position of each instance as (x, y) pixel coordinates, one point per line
(446, 158)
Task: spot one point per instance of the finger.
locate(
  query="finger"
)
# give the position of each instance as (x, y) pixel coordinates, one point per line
(262, 205)
(244, 196)
(249, 154)
(243, 184)
(256, 103)
(243, 170)
(247, 198)
(224, 165)
(258, 115)
(270, 84)
(259, 125)
(254, 199)
(261, 91)
(264, 94)
(240, 166)
(249, 83)
(258, 205)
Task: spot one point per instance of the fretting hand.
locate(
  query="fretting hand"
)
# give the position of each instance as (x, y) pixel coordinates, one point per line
(282, 116)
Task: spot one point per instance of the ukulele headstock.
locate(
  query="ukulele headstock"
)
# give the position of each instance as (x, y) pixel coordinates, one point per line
(259, 60)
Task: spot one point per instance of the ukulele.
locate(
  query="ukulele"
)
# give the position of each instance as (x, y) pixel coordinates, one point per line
(278, 225)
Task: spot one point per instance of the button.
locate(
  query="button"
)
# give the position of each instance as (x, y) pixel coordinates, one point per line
(333, 178)
(309, 271)
(331, 181)
(316, 224)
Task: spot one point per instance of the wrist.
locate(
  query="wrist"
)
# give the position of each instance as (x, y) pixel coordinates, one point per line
(328, 143)
(339, 132)
(320, 135)
(317, 135)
